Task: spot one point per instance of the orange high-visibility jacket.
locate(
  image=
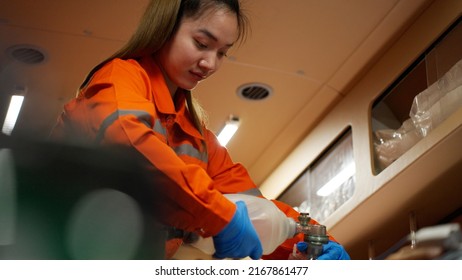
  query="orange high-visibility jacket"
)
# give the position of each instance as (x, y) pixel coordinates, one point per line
(127, 102)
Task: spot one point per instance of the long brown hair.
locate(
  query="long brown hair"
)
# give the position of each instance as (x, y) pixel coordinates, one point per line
(158, 23)
(155, 27)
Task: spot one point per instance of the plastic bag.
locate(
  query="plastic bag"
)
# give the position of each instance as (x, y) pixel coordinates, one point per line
(391, 144)
(429, 108)
(438, 102)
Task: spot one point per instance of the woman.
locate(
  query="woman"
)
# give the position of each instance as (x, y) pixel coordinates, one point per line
(141, 97)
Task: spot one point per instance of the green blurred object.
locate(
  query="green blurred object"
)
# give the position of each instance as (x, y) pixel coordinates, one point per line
(68, 202)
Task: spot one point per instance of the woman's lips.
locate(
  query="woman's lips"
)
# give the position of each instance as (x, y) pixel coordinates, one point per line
(199, 75)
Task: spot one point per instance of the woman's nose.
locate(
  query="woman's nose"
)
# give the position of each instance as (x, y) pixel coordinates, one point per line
(208, 64)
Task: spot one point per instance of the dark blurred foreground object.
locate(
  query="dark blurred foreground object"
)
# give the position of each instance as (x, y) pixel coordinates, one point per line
(67, 202)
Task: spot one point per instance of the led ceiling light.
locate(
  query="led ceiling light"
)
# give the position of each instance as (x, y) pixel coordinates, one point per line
(13, 112)
(229, 130)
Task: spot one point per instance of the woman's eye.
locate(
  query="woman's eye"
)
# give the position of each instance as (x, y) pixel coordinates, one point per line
(201, 45)
(222, 54)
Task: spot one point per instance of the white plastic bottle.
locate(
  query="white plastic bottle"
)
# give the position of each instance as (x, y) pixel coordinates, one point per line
(272, 225)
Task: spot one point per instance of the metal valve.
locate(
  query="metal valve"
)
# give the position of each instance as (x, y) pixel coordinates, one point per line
(314, 235)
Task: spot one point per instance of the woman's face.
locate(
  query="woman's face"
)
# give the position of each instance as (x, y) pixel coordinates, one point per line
(197, 49)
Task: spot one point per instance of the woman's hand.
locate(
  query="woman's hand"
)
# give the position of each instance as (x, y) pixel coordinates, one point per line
(333, 251)
(239, 238)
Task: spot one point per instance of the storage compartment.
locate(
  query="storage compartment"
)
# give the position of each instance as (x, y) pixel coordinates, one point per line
(327, 183)
(428, 92)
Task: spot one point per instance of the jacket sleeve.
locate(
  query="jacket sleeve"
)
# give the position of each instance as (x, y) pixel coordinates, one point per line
(117, 109)
(228, 177)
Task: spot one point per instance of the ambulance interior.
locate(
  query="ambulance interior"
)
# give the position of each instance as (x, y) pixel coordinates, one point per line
(370, 90)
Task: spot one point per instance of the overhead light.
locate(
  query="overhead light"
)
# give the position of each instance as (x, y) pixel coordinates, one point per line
(229, 130)
(12, 114)
(338, 180)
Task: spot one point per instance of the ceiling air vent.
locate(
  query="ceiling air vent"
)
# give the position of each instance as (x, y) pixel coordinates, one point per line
(254, 91)
(26, 54)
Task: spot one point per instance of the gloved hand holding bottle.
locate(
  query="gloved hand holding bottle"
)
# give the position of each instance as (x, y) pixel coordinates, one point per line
(239, 238)
(271, 225)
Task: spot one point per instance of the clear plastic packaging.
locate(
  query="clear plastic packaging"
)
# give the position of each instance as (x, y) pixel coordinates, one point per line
(272, 225)
(429, 108)
(438, 102)
(391, 144)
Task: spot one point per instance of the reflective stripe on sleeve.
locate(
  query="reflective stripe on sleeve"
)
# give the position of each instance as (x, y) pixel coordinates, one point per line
(189, 150)
(159, 128)
(143, 116)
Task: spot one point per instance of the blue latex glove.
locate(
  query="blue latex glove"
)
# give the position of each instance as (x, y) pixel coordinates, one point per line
(333, 251)
(238, 239)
